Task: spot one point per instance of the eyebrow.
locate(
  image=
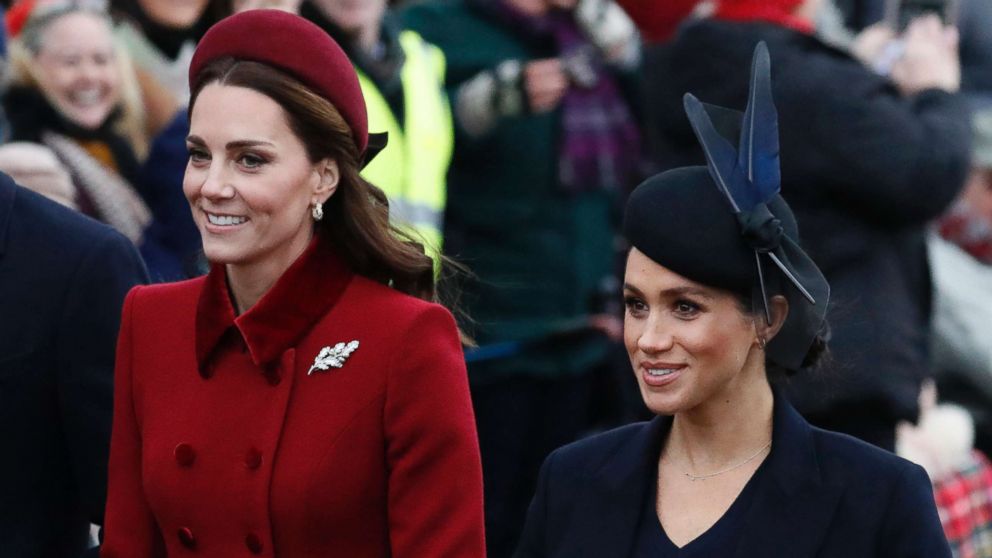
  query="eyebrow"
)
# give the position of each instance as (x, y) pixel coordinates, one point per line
(675, 291)
(239, 144)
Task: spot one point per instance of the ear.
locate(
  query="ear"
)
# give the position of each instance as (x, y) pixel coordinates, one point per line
(779, 310)
(328, 177)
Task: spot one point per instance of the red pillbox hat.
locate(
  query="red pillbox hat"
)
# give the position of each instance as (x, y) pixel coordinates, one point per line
(295, 46)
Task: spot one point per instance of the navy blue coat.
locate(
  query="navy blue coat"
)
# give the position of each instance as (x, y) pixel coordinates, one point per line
(828, 495)
(63, 278)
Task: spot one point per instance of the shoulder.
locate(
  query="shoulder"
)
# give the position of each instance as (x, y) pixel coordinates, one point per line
(435, 18)
(49, 222)
(401, 310)
(863, 467)
(587, 456)
(53, 236)
(164, 298)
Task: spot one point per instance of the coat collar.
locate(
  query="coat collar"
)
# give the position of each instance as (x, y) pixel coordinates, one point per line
(7, 192)
(797, 498)
(307, 290)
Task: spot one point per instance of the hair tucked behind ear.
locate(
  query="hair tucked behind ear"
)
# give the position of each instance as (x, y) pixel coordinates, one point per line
(357, 215)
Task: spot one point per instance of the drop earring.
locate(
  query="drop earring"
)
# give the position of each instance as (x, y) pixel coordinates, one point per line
(318, 211)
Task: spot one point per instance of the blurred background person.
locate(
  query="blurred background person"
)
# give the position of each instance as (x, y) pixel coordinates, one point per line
(871, 161)
(547, 145)
(73, 89)
(70, 89)
(961, 263)
(63, 278)
(402, 78)
(161, 35)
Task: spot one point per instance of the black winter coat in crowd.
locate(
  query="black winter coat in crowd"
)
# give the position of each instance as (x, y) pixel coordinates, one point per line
(63, 278)
(863, 167)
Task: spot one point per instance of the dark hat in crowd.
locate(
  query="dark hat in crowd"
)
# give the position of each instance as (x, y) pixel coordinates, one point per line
(725, 225)
(296, 46)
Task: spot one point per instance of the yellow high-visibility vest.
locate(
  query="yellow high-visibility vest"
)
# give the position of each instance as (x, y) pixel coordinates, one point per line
(412, 169)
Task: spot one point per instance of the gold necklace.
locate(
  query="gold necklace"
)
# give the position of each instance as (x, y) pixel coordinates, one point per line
(694, 478)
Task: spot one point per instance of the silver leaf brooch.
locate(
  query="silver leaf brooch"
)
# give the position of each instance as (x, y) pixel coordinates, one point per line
(333, 357)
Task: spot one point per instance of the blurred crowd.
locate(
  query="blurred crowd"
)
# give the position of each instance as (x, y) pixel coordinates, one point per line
(516, 129)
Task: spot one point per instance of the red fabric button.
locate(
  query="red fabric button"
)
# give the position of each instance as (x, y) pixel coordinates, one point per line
(186, 537)
(253, 459)
(254, 543)
(185, 455)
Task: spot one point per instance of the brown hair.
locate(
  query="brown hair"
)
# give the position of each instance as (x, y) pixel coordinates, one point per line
(357, 215)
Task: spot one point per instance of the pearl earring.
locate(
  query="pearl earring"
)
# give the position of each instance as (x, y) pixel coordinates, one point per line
(318, 211)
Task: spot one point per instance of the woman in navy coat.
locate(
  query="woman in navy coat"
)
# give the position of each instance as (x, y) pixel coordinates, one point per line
(719, 296)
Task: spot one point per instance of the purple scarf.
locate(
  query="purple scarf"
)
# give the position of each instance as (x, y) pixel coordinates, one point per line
(600, 145)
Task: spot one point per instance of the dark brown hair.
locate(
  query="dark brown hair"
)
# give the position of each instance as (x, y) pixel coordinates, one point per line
(357, 215)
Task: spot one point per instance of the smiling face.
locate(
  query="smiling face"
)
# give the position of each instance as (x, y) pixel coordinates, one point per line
(249, 180)
(77, 70)
(689, 344)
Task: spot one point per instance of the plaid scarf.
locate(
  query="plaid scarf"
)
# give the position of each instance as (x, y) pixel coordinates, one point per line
(964, 503)
(971, 232)
(600, 144)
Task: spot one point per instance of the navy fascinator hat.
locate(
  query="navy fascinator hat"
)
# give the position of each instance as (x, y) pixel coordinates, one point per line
(725, 225)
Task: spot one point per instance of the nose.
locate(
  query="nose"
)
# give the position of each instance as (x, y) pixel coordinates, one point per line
(655, 338)
(215, 185)
(90, 71)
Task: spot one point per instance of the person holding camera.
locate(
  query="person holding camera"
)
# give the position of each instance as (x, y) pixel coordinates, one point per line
(872, 159)
(546, 142)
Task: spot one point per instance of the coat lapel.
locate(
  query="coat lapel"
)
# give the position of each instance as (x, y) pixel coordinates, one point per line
(796, 500)
(613, 503)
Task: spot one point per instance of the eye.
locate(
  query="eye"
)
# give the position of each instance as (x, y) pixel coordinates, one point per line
(635, 306)
(198, 156)
(685, 308)
(251, 161)
(103, 59)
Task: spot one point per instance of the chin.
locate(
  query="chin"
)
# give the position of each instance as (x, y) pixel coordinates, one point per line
(662, 404)
(89, 120)
(224, 253)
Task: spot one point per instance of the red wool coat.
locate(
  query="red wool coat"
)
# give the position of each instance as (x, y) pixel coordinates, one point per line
(225, 445)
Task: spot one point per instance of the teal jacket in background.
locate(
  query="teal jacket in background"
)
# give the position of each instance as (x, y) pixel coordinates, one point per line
(540, 255)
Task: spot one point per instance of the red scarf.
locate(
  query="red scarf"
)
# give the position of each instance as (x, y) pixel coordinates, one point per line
(781, 12)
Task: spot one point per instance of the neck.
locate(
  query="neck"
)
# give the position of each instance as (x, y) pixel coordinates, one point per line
(367, 38)
(250, 281)
(729, 427)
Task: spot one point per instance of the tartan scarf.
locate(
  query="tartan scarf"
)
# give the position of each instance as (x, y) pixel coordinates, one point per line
(599, 142)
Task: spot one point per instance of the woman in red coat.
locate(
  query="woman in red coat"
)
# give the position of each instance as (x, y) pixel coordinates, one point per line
(303, 399)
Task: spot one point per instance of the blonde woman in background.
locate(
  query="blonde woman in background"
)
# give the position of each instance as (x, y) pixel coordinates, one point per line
(73, 90)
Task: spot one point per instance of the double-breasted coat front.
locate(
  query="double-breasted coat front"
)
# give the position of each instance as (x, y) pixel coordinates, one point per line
(227, 442)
